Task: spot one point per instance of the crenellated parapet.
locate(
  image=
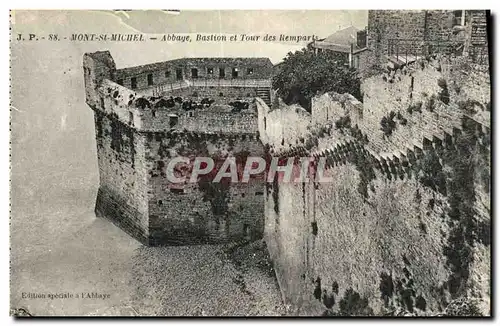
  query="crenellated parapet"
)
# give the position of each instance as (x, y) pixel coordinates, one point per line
(150, 114)
(407, 108)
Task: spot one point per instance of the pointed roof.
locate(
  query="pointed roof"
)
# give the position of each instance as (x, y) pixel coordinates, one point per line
(346, 36)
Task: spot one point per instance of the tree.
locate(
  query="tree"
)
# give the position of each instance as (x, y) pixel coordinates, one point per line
(304, 74)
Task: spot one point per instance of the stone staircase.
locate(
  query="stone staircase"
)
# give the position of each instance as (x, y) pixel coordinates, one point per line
(265, 95)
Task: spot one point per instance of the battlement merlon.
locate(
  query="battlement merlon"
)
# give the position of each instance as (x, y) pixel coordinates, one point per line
(97, 66)
(124, 105)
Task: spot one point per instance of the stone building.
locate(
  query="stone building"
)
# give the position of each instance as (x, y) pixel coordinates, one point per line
(140, 127)
(211, 70)
(349, 43)
(402, 36)
(398, 37)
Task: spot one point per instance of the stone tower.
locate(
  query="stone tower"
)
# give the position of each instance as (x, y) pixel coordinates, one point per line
(147, 115)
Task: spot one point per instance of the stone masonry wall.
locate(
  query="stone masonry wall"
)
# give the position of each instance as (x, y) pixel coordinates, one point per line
(96, 68)
(379, 234)
(428, 99)
(123, 183)
(404, 226)
(118, 100)
(220, 122)
(122, 195)
(139, 132)
(419, 32)
(363, 61)
(272, 129)
(166, 72)
(223, 93)
(342, 242)
(408, 25)
(393, 24)
(196, 213)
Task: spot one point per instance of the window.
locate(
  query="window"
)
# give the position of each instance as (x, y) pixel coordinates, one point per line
(222, 73)
(190, 113)
(246, 230)
(361, 39)
(210, 71)
(160, 202)
(130, 118)
(355, 61)
(235, 73)
(120, 82)
(177, 191)
(459, 18)
(133, 82)
(150, 79)
(102, 104)
(167, 73)
(194, 72)
(178, 73)
(249, 71)
(174, 120)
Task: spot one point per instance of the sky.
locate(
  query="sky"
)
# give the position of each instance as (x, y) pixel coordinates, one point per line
(321, 23)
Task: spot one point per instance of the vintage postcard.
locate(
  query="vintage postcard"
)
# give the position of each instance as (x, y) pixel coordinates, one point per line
(250, 163)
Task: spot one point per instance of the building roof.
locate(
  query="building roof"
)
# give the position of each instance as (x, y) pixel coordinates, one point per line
(346, 36)
(339, 41)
